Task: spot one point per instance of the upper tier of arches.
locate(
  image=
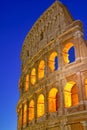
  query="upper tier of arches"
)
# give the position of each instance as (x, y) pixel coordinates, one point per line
(52, 63)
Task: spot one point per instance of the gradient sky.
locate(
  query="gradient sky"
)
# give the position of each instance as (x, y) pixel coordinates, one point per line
(16, 19)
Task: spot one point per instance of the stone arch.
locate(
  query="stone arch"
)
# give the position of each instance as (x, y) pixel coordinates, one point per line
(53, 61)
(41, 69)
(70, 94)
(69, 53)
(31, 110)
(53, 100)
(40, 105)
(33, 76)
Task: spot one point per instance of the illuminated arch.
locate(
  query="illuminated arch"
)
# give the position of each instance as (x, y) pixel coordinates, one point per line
(70, 94)
(41, 69)
(40, 105)
(53, 61)
(20, 119)
(69, 53)
(26, 82)
(31, 110)
(33, 76)
(24, 114)
(86, 87)
(53, 100)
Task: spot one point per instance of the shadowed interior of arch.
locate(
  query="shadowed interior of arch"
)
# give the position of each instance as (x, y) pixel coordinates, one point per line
(69, 53)
(86, 87)
(53, 100)
(41, 69)
(70, 94)
(33, 76)
(31, 110)
(26, 82)
(40, 105)
(53, 61)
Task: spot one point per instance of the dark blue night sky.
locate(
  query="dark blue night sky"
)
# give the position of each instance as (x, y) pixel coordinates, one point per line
(16, 19)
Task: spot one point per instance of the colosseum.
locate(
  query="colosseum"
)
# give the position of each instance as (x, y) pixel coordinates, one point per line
(53, 81)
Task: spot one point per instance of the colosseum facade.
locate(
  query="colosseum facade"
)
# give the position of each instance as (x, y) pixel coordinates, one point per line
(53, 81)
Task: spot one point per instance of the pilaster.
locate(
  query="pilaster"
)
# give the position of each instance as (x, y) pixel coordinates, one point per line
(80, 91)
(77, 40)
(61, 98)
(35, 107)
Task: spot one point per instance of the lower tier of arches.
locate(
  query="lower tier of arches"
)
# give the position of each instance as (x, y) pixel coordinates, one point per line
(75, 121)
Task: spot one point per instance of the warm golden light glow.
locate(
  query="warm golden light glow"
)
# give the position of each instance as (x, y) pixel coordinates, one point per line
(52, 61)
(53, 100)
(20, 119)
(33, 76)
(40, 105)
(86, 88)
(31, 110)
(27, 82)
(74, 95)
(24, 114)
(70, 94)
(65, 52)
(41, 69)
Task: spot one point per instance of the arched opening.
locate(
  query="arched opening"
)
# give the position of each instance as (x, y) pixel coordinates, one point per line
(26, 82)
(53, 61)
(31, 110)
(24, 114)
(20, 119)
(53, 100)
(40, 105)
(71, 94)
(69, 53)
(86, 87)
(33, 76)
(41, 69)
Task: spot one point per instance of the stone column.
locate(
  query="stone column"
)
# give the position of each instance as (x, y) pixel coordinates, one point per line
(80, 91)
(30, 84)
(60, 98)
(46, 103)
(35, 107)
(63, 83)
(46, 66)
(84, 124)
(36, 68)
(77, 40)
(60, 56)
